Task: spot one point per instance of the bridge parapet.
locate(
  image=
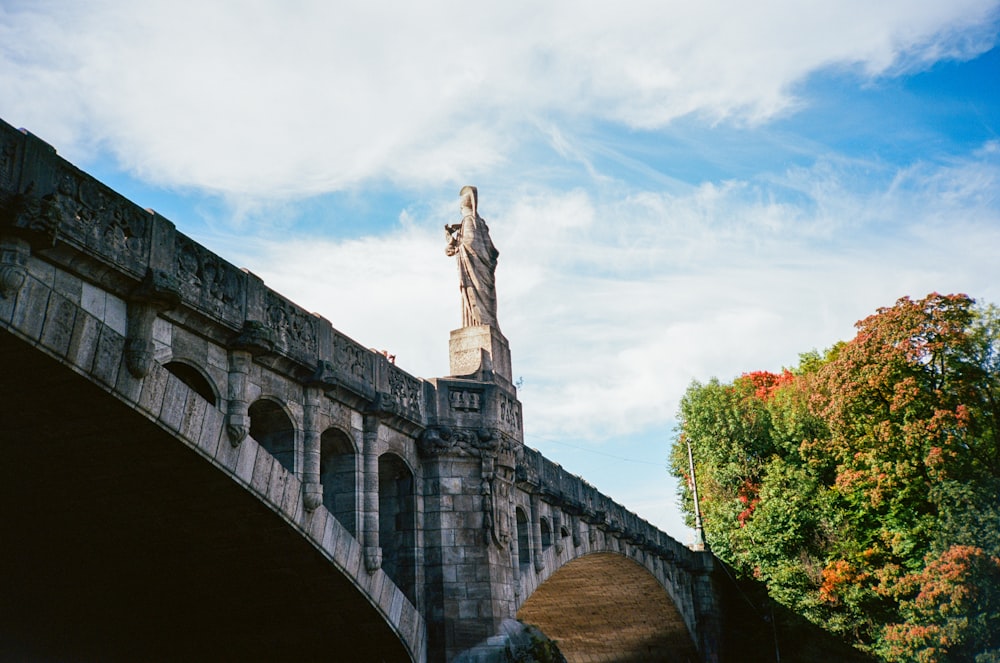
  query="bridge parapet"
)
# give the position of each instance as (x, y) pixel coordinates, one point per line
(92, 230)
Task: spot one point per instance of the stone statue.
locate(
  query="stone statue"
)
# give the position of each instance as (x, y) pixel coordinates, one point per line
(477, 262)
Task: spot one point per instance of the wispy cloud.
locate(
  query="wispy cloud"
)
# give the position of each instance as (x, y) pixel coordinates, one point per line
(261, 99)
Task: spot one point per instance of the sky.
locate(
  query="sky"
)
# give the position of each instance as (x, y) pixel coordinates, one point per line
(678, 190)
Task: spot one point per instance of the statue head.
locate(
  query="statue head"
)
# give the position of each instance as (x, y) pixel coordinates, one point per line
(469, 198)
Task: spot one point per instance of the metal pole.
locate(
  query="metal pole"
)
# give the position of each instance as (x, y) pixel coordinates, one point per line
(699, 533)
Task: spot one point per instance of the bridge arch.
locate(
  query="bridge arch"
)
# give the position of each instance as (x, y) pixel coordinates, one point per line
(523, 538)
(397, 510)
(608, 606)
(149, 460)
(274, 428)
(339, 467)
(195, 378)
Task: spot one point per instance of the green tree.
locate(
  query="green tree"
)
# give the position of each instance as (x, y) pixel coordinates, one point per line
(849, 480)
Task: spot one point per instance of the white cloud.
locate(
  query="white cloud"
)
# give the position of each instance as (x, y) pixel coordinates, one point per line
(612, 306)
(262, 98)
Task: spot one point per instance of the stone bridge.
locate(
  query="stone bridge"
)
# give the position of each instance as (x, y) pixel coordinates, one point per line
(195, 468)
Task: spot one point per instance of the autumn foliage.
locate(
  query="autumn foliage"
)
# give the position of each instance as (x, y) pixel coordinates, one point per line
(863, 485)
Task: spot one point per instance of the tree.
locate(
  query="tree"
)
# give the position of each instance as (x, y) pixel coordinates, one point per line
(852, 479)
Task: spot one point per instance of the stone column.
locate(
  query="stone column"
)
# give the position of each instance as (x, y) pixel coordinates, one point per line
(312, 489)
(557, 530)
(254, 339)
(237, 414)
(158, 292)
(705, 602)
(468, 477)
(373, 553)
(536, 534)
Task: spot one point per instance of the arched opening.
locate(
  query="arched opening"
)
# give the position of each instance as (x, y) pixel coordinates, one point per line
(272, 428)
(194, 379)
(607, 607)
(563, 532)
(523, 541)
(546, 533)
(338, 475)
(397, 522)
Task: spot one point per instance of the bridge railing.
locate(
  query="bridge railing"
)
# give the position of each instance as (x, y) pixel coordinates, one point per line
(576, 496)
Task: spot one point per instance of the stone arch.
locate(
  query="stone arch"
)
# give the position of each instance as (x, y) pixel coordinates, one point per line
(198, 589)
(523, 538)
(338, 474)
(606, 606)
(546, 530)
(194, 378)
(397, 522)
(271, 426)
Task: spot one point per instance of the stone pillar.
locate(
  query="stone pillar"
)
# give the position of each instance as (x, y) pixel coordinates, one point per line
(158, 292)
(468, 512)
(373, 553)
(312, 489)
(237, 414)
(557, 530)
(706, 607)
(536, 533)
(254, 339)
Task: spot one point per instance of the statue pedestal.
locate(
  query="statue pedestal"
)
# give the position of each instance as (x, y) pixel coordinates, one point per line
(480, 353)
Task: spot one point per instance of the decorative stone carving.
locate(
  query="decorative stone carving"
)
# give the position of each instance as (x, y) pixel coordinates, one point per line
(406, 391)
(510, 413)
(156, 293)
(295, 329)
(255, 337)
(498, 494)
(25, 221)
(208, 281)
(14, 253)
(30, 217)
(469, 240)
(101, 220)
(352, 360)
(237, 415)
(465, 400)
(439, 440)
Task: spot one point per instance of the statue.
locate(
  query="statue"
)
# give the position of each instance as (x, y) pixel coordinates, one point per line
(477, 262)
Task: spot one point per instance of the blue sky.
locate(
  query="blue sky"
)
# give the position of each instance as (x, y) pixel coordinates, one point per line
(678, 190)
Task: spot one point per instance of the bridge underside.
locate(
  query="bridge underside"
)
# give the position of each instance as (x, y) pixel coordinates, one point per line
(607, 608)
(117, 542)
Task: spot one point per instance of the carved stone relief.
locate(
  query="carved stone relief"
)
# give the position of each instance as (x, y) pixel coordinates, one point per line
(405, 389)
(206, 280)
(465, 400)
(352, 360)
(440, 440)
(498, 493)
(98, 218)
(510, 413)
(295, 328)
